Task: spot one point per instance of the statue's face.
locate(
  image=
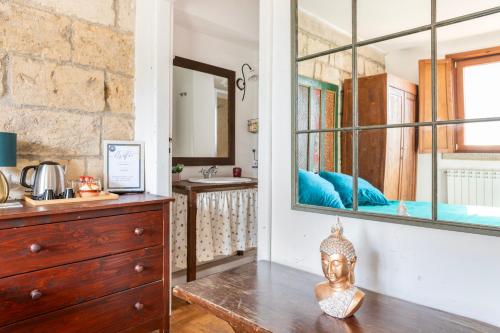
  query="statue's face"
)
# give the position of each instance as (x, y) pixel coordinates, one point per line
(337, 268)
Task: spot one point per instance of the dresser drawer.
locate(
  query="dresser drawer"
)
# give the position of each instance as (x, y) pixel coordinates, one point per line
(105, 315)
(27, 295)
(38, 247)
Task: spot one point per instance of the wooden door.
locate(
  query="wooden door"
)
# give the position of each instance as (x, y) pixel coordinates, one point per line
(408, 173)
(372, 100)
(373, 152)
(396, 101)
(371, 143)
(445, 102)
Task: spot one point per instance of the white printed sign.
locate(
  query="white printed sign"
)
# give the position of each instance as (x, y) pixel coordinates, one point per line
(124, 166)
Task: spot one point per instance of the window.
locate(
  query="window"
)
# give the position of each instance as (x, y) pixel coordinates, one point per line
(377, 106)
(477, 77)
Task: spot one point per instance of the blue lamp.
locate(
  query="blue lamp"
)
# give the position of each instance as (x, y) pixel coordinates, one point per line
(8, 149)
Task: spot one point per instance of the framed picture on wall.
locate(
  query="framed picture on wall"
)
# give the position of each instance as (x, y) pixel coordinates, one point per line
(123, 166)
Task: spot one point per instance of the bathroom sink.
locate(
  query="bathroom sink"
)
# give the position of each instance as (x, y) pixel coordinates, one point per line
(220, 180)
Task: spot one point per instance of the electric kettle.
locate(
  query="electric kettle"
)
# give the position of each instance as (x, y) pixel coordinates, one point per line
(47, 177)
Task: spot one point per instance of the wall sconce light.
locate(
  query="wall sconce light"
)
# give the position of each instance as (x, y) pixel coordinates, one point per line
(241, 83)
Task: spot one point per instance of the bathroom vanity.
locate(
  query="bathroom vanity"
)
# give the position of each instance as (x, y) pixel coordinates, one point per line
(192, 191)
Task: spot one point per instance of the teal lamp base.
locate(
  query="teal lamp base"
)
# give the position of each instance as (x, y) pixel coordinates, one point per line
(8, 158)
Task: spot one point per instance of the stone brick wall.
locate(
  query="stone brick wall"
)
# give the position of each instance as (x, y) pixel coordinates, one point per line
(66, 80)
(315, 36)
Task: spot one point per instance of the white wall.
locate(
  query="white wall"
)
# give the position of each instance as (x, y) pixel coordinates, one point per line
(153, 69)
(218, 52)
(235, 21)
(455, 272)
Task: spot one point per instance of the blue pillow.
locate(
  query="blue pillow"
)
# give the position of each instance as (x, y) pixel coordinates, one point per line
(314, 190)
(368, 195)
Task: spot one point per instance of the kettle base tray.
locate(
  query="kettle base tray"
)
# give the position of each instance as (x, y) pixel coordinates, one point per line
(102, 196)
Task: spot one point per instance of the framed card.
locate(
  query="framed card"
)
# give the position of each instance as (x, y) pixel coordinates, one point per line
(123, 166)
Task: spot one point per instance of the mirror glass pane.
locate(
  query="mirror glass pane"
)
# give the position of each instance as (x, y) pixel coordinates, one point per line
(447, 9)
(383, 17)
(320, 179)
(200, 120)
(469, 183)
(390, 165)
(389, 80)
(321, 83)
(323, 25)
(469, 69)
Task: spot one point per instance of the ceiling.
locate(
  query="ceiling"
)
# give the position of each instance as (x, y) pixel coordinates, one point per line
(381, 17)
(232, 20)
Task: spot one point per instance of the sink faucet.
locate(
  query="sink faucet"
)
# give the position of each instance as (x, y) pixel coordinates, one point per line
(208, 173)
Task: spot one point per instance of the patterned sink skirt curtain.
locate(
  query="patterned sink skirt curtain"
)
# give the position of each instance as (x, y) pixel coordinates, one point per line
(226, 222)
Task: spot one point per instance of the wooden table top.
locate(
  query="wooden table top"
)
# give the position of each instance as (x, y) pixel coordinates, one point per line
(268, 297)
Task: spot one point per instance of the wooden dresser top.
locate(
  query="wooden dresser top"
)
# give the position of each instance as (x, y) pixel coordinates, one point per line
(17, 217)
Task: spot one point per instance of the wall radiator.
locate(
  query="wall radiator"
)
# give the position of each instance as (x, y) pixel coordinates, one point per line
(473, 187)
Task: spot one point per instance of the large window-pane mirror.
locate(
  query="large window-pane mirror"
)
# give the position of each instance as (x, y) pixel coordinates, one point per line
(203, 114)
(412, 136)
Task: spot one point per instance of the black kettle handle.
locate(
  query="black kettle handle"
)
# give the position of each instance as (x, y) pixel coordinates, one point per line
(24, 173)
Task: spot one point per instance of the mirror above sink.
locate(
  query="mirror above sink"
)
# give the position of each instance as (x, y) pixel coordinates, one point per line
(203, 121)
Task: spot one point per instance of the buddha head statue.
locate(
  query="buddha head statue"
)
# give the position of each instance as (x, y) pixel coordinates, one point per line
(338, 258)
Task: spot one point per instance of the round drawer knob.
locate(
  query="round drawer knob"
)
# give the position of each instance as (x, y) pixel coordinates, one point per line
(139, 231)
(35, 294)
(35, 248)
(139, 268)
(139, 306)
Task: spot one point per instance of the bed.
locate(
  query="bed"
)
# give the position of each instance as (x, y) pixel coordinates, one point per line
(333, 189)
(481, 215)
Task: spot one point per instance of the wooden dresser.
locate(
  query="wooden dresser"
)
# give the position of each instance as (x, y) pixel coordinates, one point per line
(91, 267)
